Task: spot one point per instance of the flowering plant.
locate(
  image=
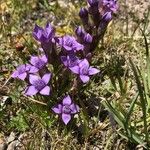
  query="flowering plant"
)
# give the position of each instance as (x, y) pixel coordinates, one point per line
(63, 66)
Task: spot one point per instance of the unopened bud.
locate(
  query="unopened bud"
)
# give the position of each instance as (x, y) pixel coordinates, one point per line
(88, 38)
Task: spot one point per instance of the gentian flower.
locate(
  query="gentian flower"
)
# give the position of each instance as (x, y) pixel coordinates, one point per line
(21, 71)
(37, 63)
(66, 109)
(38, 85)
(44, 35)
(70, 60)
(70, 44)
(84, 70)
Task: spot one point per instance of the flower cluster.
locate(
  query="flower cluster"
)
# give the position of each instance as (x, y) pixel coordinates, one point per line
(68, 55)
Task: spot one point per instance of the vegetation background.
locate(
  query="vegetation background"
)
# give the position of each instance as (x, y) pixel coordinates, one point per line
(119, 99)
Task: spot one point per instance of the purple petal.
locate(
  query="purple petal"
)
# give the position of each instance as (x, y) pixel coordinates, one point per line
(66, 118)
(28, 66)
(75, 69)
(84, 78)
(22, 76)
(46, 78)
(68, 48)
(107, 17)
(33, 60)
(33, 69)
(44, 58)
(48, 28)
(74, 108)
(88, 38)
(84, 62)
(31, 90)
(37, 32)
(15, 74)
(93, 71)
(45, 91)
(67, 100)
(57, 109)
(50, 31)
(21, 68)
(78, 46)
(33, 78)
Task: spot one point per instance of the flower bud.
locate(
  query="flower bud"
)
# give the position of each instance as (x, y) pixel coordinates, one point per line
(80, 31)
(94, 12)
(84, 15)
(107, 17)
(88, 38)
(93, 3)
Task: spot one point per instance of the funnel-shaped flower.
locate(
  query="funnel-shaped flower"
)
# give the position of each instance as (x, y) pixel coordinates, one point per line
(38, 85)
(84, 70)
(69, 43)
(38, 63)
(44, 35)
(66, 109)
(21, 71)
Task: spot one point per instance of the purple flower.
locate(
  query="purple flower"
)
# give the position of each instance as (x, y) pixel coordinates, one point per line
(70, 60)
(44, 35)
(69, 43)
(66, 109)
(108, 6)
(84, 70)
(21, 72)
(38, 85)
(38, 63)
